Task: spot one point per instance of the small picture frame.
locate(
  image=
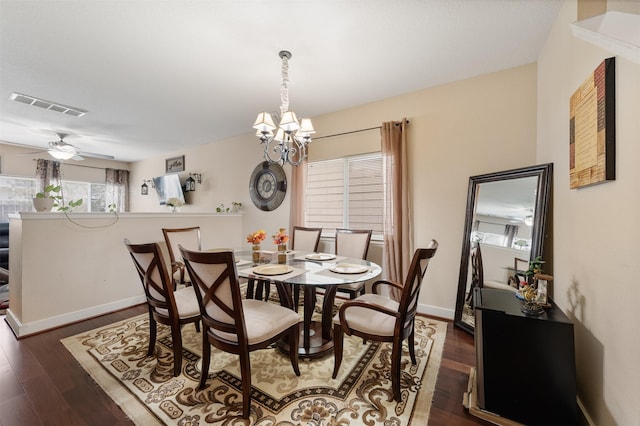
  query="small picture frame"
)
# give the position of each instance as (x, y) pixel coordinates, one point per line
(174, 164)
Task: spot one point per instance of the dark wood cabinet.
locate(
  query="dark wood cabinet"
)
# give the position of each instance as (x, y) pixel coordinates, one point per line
(525, 364)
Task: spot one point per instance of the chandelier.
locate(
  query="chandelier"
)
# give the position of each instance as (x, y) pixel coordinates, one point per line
(289, 143)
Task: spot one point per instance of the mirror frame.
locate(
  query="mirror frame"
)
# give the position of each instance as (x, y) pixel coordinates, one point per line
(544, 172)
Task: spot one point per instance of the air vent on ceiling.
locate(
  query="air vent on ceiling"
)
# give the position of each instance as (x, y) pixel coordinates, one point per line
(52, 106)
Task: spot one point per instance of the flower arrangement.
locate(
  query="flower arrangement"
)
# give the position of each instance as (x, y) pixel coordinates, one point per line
(256, 237)
(280, 237)
(174, 202)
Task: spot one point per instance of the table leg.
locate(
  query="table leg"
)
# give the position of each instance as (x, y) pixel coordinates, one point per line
(250, 284)
(284, 294)
(309, 306)
(327, 312)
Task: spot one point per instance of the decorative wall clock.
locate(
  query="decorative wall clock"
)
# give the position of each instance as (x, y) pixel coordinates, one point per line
(268, 186)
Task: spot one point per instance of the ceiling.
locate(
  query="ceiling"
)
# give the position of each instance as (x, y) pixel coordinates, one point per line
(155, 76)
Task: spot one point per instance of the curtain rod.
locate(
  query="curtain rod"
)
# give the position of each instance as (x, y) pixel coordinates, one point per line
(77, 165)
(353, 131)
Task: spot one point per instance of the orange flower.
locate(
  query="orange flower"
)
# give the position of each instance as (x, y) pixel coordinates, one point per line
(281, 237)
(256, 237)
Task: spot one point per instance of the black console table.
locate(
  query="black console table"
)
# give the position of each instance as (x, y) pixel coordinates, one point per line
(525, 364)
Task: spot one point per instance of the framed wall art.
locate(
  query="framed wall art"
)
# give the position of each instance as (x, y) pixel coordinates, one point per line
(592, 132)
(174, 164)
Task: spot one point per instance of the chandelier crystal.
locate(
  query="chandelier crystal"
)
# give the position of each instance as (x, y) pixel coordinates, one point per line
(292, 135)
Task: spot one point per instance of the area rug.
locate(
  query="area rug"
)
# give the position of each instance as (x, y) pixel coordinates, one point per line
(145, 389)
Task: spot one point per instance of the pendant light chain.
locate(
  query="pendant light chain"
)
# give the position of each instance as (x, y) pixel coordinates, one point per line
(284, 88)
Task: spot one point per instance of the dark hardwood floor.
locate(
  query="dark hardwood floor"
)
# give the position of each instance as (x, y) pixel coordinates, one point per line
(42, 384)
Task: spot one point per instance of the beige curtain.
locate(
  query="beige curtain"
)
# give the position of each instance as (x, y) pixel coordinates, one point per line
(296, 189)
(397, 226)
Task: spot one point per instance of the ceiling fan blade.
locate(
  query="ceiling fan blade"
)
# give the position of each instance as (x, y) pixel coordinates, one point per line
(31, 152)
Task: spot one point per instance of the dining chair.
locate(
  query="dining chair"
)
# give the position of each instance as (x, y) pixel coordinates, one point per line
(232, 323)
(477, 276)
(303, 239)
(185, 237)
(166, 306)
(520, 266)
(380, 318)
(353, 243)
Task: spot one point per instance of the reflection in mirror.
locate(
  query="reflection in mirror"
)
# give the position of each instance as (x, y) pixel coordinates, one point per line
(504, 229)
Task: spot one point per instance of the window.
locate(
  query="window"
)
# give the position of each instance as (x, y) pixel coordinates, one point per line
(345, 193)
(16, 194)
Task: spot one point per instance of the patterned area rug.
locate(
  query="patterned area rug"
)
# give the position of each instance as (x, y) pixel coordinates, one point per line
(145, 389)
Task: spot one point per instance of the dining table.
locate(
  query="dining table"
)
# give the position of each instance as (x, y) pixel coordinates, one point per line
(309, 271)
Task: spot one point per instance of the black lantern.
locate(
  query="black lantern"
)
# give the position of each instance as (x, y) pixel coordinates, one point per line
(190, 184)
(144, 189)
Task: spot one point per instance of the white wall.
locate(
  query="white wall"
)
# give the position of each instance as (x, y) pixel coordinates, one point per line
(65, 268)
(596, 229)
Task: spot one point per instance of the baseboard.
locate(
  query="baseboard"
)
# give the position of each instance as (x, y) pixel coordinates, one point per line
(436, 311)
(25, 329)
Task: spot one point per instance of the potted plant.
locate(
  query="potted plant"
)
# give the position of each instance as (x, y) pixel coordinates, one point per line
(51, 197)
(236, 206)
(45, 200)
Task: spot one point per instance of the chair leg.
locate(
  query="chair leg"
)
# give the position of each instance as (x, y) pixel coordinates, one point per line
(396, 354)
(176, 339)
(245, 374)
(153, 328)
(206, 354)
(294, 341)
(338, 340)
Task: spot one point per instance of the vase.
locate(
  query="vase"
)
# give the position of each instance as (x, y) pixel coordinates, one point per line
(43, 204)
(282, 256)
(256, 253)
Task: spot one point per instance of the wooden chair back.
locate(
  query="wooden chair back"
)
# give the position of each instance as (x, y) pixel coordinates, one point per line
(153, 273)
(411, 289)
(477, 273)
(218, 291)
(188, 238)
(305, 239)
(353, 242)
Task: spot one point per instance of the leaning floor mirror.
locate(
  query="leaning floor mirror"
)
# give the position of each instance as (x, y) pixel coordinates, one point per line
(504, 228)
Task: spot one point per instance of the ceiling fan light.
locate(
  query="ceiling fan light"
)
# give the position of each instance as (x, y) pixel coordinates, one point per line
(61, 155)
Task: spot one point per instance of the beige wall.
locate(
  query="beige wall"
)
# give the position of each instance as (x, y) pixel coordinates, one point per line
(595, 228)
(470, 127)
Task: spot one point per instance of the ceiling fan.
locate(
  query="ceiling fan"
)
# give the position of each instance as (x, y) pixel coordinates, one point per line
(62, 150)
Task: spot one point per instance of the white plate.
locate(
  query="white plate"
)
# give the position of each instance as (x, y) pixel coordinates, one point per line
(349, 268)
(272, 269)
(320, 256)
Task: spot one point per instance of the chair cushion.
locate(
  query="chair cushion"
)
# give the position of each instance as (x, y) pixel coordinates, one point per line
(368, 320)
(263, 320)
(186, 302)
(352, 286)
